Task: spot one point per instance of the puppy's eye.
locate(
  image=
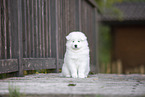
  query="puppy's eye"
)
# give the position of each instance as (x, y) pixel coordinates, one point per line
(78, 41)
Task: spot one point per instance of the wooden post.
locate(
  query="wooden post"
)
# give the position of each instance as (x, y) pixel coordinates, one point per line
(142, 67)
(20, 51)
(114, 67)
(119, 66)
(0, 32)
(108, 68)
(97, 40)
(5, 29)
(56, 34)
(80, 22)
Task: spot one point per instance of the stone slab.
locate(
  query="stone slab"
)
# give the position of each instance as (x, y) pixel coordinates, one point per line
(99, 85)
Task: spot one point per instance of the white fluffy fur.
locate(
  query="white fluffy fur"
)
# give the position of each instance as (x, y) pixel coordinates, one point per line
(76, 59)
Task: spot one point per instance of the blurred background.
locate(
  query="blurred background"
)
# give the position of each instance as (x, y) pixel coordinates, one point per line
(122, 36)
(115, 31)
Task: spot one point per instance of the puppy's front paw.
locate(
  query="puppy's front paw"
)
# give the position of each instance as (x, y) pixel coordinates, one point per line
(74, 75)
(67, 76)
(82, 76)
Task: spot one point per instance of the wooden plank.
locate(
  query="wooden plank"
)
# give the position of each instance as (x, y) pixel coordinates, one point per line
(40, 28)
(11, 65)
(50, 51)
(142, 69)
(56, 36)
(63, 26)
(14, 27)
(80, 16)
(39, 63)
(37, 25)
(71, 15)
(119, 67)
(67, 16)
(53, 28)
(8, 65)
(5, 28)
(47, 26)
(32, 22)
(20, 50)
(77, 22)
(61, 37)
(60, 63)
(25, 29)
(29, 29)
(88, 31)
(97, 40)
(59, 25)
(10, 35)
(43, 34)
(85, 27)
(0, 31)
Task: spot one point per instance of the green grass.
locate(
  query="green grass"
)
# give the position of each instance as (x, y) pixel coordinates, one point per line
(71, 84)
(14, 91)
(104, 44)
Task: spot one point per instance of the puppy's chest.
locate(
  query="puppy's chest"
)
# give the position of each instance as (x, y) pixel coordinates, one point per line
(75, 56)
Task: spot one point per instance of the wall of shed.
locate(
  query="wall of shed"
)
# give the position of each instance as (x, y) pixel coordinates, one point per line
(129, 46)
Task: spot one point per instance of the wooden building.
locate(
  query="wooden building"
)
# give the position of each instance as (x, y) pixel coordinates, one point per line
(128, 36)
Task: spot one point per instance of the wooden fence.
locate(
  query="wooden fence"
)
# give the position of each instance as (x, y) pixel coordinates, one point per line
(32, 32)
(116, 67)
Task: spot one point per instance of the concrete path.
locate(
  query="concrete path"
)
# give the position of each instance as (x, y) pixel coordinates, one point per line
(100, 85)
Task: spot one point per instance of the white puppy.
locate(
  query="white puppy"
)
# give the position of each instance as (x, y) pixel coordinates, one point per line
(76, 59)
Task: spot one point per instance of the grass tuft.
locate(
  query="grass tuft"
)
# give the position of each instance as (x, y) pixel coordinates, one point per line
(71, 84)
(14, 91)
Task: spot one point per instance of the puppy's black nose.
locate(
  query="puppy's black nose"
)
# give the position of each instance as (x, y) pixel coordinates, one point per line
(75, 46)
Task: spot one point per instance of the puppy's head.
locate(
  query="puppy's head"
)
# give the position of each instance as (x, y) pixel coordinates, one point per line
(76, 40)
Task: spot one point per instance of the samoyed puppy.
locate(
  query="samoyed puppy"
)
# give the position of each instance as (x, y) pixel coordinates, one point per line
(76, 59)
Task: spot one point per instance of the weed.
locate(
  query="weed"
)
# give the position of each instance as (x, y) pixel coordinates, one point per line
(71, 84)
(98, 95)
(14, 91)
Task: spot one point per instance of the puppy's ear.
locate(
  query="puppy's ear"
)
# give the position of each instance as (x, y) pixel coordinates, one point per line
(68, 37)
(84, 38)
